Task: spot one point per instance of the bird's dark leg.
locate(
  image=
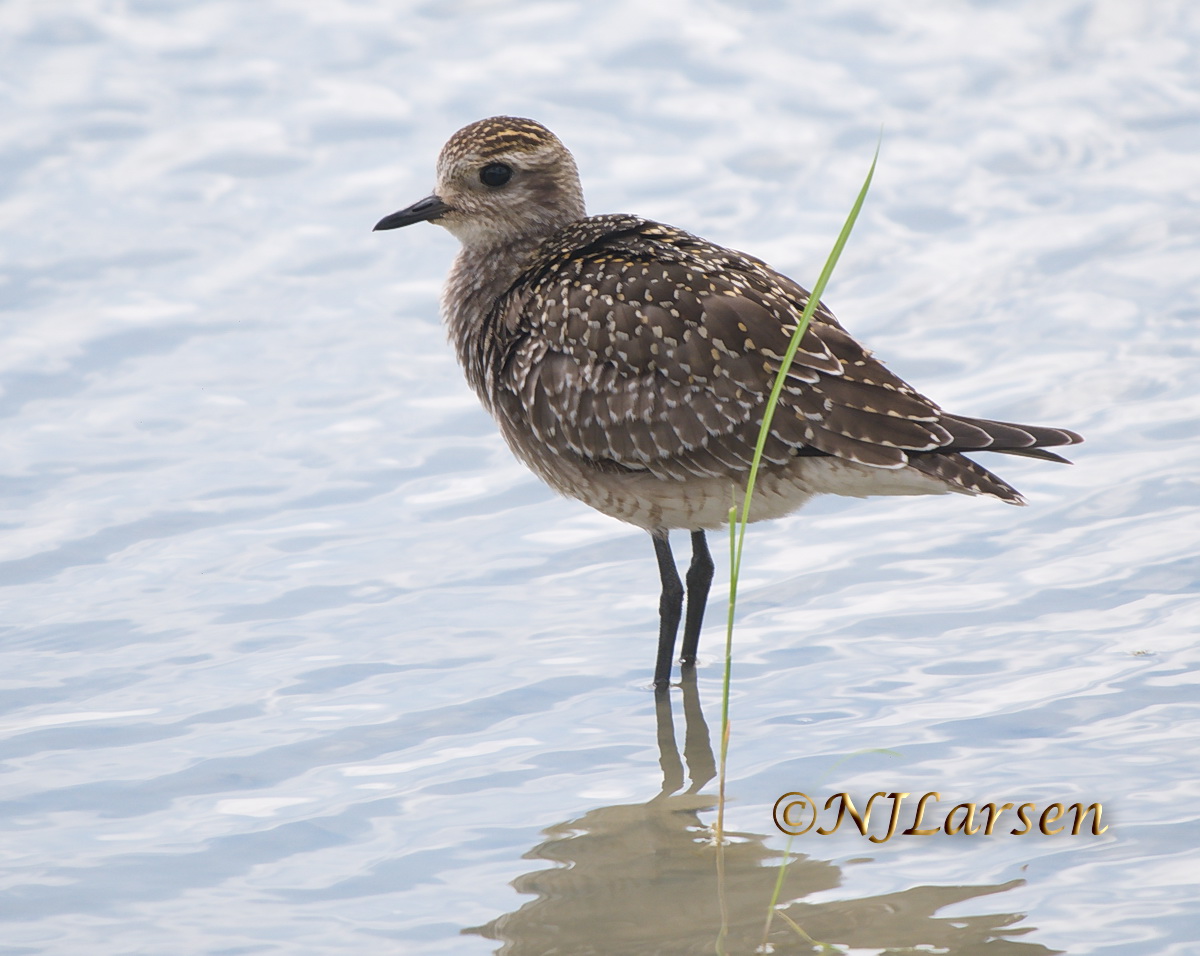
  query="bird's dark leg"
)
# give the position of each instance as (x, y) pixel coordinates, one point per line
(670, 607)
(699, 579)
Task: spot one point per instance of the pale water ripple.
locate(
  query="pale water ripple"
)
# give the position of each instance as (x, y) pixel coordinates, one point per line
(298, 660)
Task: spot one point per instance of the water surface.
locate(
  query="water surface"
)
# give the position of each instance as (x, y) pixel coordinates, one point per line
(298, 659)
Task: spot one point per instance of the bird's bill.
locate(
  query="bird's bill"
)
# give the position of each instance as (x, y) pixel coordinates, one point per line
(431, 207)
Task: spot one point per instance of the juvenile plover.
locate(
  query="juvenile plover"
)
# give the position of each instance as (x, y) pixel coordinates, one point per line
(627, 363)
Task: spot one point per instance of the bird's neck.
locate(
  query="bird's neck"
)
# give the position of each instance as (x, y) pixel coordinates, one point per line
(481, 274)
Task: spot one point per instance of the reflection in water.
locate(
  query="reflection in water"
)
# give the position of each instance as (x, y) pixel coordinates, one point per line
(641, 879)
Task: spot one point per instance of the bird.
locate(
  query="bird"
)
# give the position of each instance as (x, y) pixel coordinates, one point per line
(627, 363)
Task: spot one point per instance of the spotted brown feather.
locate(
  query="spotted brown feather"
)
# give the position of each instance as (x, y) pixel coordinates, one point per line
(635, 344)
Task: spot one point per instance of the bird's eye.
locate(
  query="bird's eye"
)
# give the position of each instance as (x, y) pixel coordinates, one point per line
(495, 174)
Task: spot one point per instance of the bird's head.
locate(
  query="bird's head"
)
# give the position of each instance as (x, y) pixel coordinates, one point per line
(500, 180)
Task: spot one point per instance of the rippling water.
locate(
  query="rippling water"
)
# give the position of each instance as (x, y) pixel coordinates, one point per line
(298, 659)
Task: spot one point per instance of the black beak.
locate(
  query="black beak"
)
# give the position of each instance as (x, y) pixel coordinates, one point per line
(428, 208)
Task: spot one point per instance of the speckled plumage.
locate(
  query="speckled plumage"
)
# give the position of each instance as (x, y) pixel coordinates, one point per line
(628, 362)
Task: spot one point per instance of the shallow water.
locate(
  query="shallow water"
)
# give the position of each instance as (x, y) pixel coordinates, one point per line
(298, 659)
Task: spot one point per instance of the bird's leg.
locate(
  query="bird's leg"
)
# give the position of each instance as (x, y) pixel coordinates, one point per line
(699, 579)
(670, 607)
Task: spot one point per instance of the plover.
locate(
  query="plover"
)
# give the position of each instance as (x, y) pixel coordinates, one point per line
(628, 362)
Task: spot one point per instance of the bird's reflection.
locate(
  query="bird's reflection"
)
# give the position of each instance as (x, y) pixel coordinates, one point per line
(640, 879)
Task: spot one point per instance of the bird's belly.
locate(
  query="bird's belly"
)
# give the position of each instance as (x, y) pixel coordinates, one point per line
(648, 501)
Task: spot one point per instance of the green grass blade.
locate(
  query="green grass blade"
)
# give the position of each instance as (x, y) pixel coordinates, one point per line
(738, 522)
(737, 528)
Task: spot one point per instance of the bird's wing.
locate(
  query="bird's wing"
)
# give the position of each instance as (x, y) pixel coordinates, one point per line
(637, 344)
